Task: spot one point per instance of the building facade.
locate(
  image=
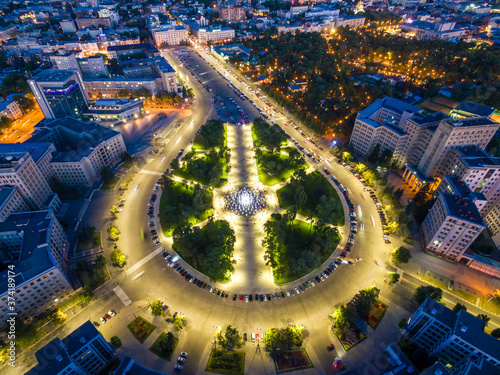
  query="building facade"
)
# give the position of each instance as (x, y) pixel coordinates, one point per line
(37, 245)
(169, 36)
(83, 352)
(11, 201)
(60, 93)
(114, 111)
(10, 109)
(93, 67)
(454, 338)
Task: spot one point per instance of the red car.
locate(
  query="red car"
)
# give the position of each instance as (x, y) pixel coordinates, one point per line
(338, 364)
(330, 347)
(241, 298)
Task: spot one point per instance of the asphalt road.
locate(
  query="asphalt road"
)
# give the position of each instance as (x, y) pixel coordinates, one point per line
(23, 127)
(145, 279)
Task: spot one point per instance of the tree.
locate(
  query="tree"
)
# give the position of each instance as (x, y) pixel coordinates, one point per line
(401, 255)
(157, 307)
(113, 232)
(116, 342)
(366, 298)
(300, 197)
(425, 291)
(174, 164)
(14, 83)
(107, 175)
(392, 227)
(342, 317)
(458, 307)
(398, 194)
(422, 195)
(230, 338)
(26, 335)
(394, 278)
(118, 258)
(373, 155)
(179, 321)
(484, 317)
(496, 333)
(58, 317)
(24, 102)
(347, 157)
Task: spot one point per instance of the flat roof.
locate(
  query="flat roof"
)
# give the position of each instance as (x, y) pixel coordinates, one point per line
(54, 75)
(462, 208)
(11, 152)
(474, 109)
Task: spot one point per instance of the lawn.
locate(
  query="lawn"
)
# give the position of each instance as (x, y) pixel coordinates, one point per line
(275, 168)
(209, 135)
(292, 360)
(111, 185)
(376, 314)
(493, 305)
(163, 348)
(177, 200)
(315, 186)
(303, 251)
(141, 329)
(92, 276)
(351, 337)
(205, 169)
(226, 362)
(91, 243)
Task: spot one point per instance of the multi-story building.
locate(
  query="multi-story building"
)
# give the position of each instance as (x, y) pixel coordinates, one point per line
(36, 244)
(231, 13)
(83, 23)
(216, 34)
(64, 60)
(383, 123)
(60, 93)
(79, 150)
(67, 26)
(169, 36)
(145, 49)
(83, 352)
(92, 32)
(450, 133)
(26, 166)
(451, 225)
(353, 21)
(114, 111)
(433, 30)
(7, 31)
(155, 74)
(10, 109)
(454, 338)
(11, 201)
(93, 67)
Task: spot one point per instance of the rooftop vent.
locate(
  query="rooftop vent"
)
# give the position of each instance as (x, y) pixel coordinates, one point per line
(82, 340)
(59, 358)
(464, 328)
(434, 311)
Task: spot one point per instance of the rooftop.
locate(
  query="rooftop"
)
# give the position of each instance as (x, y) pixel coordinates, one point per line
(395, 105)
(79, 337)
(74, 139)
(462, 208)
(10, 153)
(473, 121)
(129, 367)
(54, 75)
(474, 109)
(59, 359)
(33, 257)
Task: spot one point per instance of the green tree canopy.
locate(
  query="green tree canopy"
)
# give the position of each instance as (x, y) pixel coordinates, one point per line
(424, 291)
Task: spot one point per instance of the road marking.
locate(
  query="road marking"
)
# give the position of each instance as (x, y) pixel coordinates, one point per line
(122, 295)
(178, 139)
(163, 159)
(144, 260)
(138, 275)
(145, 171)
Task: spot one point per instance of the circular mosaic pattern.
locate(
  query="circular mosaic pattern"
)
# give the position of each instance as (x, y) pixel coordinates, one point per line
(245, 201)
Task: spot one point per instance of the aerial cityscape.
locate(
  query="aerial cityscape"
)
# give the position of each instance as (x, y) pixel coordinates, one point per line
(250, 187)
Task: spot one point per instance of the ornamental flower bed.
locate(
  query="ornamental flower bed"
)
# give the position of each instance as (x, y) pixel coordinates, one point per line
(292, 360)
(351, 337)
(141, 329)
(376, 314)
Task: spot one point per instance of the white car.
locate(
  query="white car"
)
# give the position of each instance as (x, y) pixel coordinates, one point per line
(287, 293)
(103, 320)
(111, 312)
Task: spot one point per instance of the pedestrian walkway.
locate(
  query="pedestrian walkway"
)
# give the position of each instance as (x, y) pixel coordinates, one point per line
(143, 261)
(155, 173)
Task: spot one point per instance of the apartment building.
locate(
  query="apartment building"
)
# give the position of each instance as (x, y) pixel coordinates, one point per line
(67, 26)
(84, 23)
(146, 49)
(93, 67)
(114, 111)
(64, 60)
(26, 166)
(80, 150)
(451, 133)
(83, 352)
(433, 30)
(451, 226)
(216, 34)
(60, 93)
(384, 123)
(169, 35)
(36, 244)
(11, 201)
(10, 109)
(456, 339)
(231, 13)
